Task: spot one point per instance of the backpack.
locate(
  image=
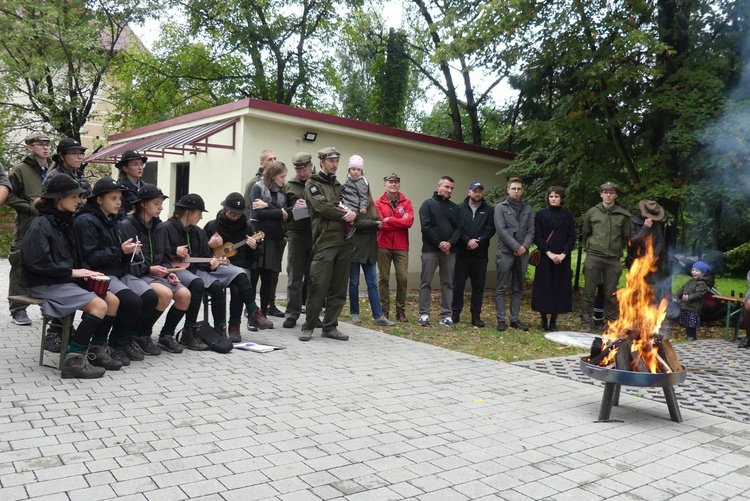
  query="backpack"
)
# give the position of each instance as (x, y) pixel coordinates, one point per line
(213, 339)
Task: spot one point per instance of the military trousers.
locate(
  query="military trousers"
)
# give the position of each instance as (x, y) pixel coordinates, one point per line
(329, 277)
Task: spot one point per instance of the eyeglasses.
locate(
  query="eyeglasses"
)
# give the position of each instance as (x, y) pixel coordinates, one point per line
(75, 153)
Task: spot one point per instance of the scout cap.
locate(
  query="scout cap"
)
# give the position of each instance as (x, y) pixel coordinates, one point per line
(651, 209)
(105, 185)
(329, 152)
(609, 186)
(36, 136)
(192, 201)
(60, 186)
(301, 158)
(234, 202)
(149, 191)
(65, 145)
(475, 185)
(392, 177)
(128, 156)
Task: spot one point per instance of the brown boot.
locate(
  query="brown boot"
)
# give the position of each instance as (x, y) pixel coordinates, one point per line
(221, 330)
(260, 321)
(234, 333)
(191, 340)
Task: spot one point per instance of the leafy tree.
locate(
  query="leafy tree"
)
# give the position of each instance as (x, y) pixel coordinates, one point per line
(282, 42)
(619, 91)
(373, 80)
(176, 79)
(54, 57)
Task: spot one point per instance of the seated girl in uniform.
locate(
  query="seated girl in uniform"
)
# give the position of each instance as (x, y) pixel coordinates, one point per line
(102, 249)
(152, 267)
(50, 269)
(235, 230)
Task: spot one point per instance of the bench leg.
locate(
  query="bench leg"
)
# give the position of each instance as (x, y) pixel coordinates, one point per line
(67, 329)
(45, 319)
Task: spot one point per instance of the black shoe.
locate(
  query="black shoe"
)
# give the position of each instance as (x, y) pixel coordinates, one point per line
(119, 354)
(455, 317)
(477, 322)
(251, 327)
(519, 325)
(167, 343)
(501, 326)
(146, 346)
(132, 352)
(289, 323)
(52, 342)
(101, 358)
(274, 311)
(76, 365)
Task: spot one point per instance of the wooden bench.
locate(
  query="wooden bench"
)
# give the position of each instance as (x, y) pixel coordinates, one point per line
(67, 326)
(735, 305)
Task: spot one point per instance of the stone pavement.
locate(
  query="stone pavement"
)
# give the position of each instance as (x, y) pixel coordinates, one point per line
(377, 417)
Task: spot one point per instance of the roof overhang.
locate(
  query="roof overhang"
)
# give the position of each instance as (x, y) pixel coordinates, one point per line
(195, 139)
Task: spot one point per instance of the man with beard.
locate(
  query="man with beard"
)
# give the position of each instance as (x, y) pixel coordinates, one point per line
(472, 252)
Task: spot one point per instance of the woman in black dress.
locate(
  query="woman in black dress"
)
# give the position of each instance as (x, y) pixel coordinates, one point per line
(555, 237)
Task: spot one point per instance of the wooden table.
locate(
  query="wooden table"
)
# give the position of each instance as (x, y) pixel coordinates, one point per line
(735, 306)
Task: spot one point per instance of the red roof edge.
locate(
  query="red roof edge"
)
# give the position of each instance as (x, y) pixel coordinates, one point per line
(311, 115)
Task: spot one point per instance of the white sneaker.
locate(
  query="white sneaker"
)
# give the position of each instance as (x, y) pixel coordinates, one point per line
(356, 319)
(447, 322)
(424, 320)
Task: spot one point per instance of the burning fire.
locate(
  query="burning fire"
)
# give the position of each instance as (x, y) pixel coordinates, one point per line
(639, 319)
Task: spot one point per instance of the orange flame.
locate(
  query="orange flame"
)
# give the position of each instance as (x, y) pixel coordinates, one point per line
(639, 319)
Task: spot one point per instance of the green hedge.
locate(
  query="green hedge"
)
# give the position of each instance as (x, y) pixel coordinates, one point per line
(738, 260)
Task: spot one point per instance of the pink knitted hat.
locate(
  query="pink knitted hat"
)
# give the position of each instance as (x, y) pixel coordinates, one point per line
(357, 162)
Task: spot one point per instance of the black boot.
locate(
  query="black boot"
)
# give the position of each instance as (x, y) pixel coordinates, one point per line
(745, 343)
(553, 323)
(102, 358)
(545, 326)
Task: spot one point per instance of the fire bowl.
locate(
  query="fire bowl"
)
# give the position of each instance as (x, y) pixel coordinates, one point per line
(632, 378)
(613, 379)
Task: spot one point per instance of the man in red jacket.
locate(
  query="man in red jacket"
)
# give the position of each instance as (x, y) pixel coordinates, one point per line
(397, 214)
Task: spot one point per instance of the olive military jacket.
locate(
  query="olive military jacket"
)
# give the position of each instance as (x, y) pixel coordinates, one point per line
(322, 194)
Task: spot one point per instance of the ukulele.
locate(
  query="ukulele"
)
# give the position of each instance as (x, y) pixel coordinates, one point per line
(181, 263)
(229, 249)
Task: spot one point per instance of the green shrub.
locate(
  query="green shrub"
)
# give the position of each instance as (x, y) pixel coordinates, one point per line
(738, 260)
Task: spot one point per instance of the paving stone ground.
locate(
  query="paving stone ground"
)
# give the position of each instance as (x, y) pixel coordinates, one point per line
(377, 418)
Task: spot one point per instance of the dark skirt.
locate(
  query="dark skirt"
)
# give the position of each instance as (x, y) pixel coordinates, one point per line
(273, 252)
(690, 319)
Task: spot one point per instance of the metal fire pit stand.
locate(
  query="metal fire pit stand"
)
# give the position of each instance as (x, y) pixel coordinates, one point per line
(613, 379)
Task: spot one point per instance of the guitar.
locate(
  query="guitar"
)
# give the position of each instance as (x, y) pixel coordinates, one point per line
(229, 249)
(181, 263)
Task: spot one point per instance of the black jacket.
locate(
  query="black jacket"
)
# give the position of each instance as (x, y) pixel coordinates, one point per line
(48, 250)
(479, 225)
(440, 222)
(173, 234)
(99, 243)
(152, 249)
(235, 232)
